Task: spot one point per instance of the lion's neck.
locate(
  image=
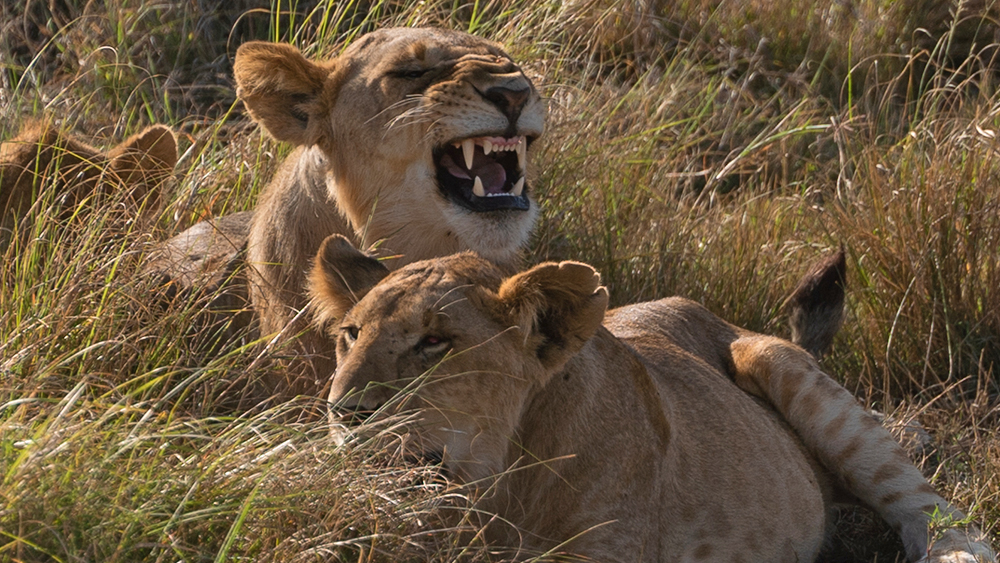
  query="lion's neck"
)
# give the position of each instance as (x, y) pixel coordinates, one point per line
(600, 390)
(405, 219)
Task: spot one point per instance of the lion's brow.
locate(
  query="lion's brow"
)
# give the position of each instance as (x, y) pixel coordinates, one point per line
(439, 309)
(410, 284)
(418, 50)
(432, 277)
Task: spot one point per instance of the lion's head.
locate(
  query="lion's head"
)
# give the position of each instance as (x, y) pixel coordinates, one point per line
(42, 156)
(424, 127)
(470, 345)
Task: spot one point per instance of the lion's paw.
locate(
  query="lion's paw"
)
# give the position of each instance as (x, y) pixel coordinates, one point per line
(958, 545)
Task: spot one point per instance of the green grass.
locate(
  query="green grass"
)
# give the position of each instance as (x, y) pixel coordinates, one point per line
(687, 158)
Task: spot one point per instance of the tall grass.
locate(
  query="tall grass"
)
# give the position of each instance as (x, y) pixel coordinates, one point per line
(707, 149)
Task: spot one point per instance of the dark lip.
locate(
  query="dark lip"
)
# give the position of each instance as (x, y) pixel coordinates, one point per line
(459, 190)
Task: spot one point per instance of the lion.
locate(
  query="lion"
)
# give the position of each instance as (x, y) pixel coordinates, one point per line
(43, 156)
(412, 138)
(618, 436)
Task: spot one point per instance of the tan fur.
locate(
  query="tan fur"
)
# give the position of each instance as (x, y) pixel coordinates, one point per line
(47, 172)
(42, 155)
(367, 128)
(630, 440)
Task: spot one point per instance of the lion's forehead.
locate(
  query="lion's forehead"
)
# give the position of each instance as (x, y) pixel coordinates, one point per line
(412, 300)
(423, 38)
(395, 46)
(420, 293)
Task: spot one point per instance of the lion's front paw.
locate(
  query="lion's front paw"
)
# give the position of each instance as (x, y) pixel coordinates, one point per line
(958, 545)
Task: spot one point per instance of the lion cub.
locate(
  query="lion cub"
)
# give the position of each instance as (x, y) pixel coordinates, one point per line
(618, 437)
(44, 157)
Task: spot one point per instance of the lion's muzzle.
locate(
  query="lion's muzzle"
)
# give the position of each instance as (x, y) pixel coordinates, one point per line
(509, 102)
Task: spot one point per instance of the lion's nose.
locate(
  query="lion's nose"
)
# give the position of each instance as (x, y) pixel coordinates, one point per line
(508, 101)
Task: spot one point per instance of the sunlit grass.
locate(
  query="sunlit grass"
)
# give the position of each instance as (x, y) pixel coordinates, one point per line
(687, 158)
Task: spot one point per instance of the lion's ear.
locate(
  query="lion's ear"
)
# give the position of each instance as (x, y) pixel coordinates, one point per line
(281, 90)
(145, 159)
(558, 306)
(340, 277)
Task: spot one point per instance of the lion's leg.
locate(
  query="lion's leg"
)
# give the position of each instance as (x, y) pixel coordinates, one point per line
(846, 440)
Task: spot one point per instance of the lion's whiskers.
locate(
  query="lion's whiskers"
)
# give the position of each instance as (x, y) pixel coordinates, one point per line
(414, 99)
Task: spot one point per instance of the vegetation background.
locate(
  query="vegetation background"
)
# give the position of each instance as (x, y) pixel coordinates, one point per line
(706, 148)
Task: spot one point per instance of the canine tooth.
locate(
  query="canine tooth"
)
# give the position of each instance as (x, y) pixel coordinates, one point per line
(487, 146)
(521, 153)
(518, 187)
(468, 150)
(477, 188)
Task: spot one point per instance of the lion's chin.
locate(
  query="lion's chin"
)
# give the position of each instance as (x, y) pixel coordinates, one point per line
(497, 236)
(484, 174)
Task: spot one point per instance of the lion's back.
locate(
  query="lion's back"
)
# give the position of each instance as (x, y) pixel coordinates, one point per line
(761, 494)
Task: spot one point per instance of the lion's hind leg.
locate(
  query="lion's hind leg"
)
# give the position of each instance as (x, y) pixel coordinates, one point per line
(853, 446)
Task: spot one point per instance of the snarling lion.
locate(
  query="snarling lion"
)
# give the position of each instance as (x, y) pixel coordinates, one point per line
(413, 138)
(625, 436)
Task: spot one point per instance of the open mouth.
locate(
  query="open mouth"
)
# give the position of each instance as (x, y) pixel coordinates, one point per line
(484, 173)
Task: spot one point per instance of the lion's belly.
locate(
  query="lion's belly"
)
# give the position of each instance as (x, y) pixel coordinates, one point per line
(738, 483)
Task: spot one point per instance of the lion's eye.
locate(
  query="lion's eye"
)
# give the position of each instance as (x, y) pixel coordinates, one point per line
(350, 333)
(433, 344)
(410, 73)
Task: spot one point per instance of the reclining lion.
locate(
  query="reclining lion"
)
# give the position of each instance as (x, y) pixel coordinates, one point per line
(413, 138)
(44, 157)
(621, 441)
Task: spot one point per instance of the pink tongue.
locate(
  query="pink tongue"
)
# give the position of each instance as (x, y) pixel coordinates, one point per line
(489, 171)
(492, 175)
(454, 169)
